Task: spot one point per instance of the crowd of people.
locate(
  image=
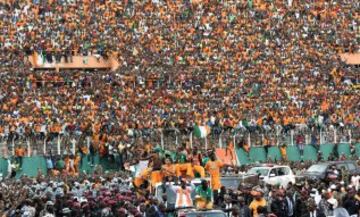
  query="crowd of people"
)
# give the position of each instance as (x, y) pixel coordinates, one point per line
(234, 64)
(122, 194)
(252, 65)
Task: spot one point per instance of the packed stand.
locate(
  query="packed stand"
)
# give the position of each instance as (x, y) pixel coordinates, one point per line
(245, 65)
(234, 64)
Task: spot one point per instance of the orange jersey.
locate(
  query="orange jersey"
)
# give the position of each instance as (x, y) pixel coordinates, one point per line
(213, 168)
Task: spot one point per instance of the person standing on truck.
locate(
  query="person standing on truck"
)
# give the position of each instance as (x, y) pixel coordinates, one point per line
(204, 196)
(213, 167)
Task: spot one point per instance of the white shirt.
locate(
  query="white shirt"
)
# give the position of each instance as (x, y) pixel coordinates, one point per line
(183, 195)
(227, 207)
(313, 214)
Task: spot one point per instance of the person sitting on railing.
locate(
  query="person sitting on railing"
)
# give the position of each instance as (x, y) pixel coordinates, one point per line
(20, 154)
(60, 165)
(183, 166)
(49, 164)
(198, 170)
(283, 152)
(156, 175)
(141, 183)
(168, 169)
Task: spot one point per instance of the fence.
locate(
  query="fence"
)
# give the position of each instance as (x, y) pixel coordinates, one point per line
(172, 138)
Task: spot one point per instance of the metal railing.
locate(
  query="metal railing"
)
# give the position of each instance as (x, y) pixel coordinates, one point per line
(170, 139)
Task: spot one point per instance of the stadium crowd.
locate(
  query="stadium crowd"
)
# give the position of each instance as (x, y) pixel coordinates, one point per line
(117, 194)
(249, 64)
(226, 64)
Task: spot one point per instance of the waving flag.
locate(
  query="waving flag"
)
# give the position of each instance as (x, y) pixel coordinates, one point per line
(201, 131)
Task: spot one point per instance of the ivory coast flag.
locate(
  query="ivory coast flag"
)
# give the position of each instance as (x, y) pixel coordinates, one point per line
(201, 131)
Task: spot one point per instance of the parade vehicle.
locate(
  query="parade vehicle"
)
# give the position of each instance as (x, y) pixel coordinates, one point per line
(229, 182)
(202, 213)
(274, 174)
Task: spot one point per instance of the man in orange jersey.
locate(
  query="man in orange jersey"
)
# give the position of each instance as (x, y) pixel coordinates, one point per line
(213, 167)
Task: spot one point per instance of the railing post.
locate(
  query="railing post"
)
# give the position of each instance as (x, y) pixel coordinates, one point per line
(234, 140)
(88, 142)
(191, 140)
(335, 136)
(176, 139)
(44, 147)
(321, 137)
(220, 141)
(206, 143)
(73, 143)
(249, 139)
(350, 136)
(58, 145)
(162, 139)
(292, 137)
(28, 147)
(13, 146)
(277, 135)
(307, 139)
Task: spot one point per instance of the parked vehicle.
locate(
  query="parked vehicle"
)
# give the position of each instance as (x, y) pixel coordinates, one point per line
(274, 174)
(323, 171)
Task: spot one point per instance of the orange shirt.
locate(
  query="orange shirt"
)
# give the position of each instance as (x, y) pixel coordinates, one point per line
(20, 152)
(213, 168)
(169, 170)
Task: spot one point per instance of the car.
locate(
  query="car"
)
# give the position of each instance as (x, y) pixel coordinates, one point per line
(233, 181)
(320, 171)
(274, 174)
(202, 213)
